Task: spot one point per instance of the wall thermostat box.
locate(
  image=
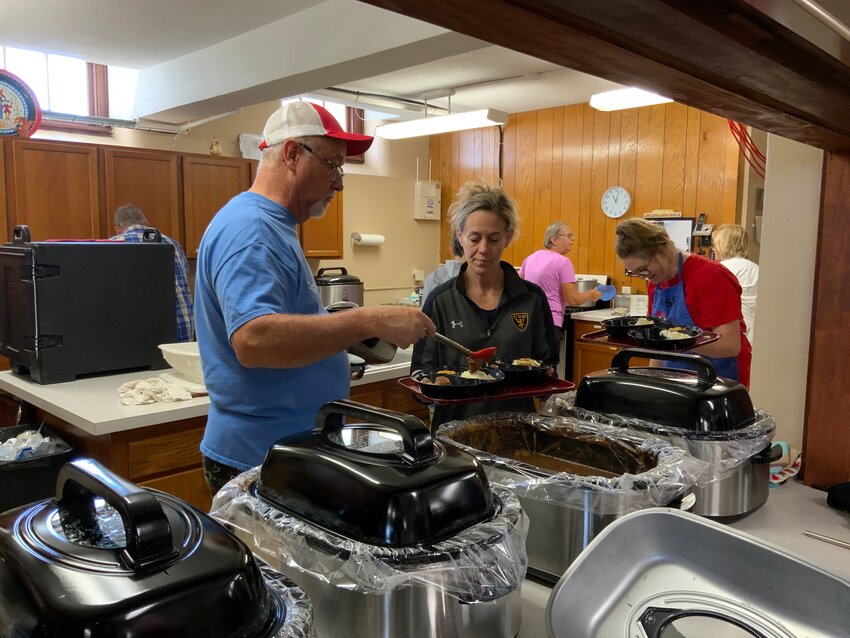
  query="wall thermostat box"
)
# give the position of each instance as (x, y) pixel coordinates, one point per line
(426, 199)
(703, 234)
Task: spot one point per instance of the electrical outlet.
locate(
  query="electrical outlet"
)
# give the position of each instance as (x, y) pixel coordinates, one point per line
(418, 275)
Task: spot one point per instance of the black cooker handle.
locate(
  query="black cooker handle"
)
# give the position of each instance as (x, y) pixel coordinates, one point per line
(341, 269)
(418, 442)
(146, 526)
(706, 374)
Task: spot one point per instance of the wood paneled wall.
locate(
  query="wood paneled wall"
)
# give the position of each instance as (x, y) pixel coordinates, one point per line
(558, 162)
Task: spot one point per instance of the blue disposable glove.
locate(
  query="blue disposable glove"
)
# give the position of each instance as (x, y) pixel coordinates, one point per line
(608, 292)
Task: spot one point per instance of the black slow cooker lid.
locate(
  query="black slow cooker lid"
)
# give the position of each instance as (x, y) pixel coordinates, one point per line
(693, 399)
(384, 482)
(340, 279)
(108, 558)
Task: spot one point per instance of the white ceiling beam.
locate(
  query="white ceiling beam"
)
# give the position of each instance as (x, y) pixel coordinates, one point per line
(286, 58)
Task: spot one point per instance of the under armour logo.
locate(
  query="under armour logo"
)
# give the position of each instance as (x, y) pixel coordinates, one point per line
(457, 324)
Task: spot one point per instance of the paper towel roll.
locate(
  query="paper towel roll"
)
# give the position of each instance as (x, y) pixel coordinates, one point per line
(367, 240)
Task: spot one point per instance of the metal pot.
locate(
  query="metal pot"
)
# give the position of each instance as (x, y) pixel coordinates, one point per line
(339, 287)
(573, 478)
(107, 557)
(661, 573)
(583, 285)
(405, 538)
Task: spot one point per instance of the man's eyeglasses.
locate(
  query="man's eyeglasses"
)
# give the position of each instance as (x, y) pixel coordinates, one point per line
(336, 172)
(568, 235)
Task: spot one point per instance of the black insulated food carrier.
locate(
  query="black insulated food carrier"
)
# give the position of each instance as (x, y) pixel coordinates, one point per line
(74, 308)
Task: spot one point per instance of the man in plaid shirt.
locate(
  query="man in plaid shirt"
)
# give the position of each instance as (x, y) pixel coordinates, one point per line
(130, 222)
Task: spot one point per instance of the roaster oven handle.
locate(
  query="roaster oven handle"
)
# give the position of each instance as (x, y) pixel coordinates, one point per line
(706, 374)
(418, 444)
(146, 526)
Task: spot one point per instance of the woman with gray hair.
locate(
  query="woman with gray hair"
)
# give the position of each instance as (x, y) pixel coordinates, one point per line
(730, 242)
(553, 271)
(487, 304)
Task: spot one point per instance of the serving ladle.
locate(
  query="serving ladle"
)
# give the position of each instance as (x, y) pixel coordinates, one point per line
(485, 354)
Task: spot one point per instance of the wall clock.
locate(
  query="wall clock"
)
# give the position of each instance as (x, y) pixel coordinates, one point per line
(616, 201)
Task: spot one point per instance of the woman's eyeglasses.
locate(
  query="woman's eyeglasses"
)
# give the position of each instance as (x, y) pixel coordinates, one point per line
(568, 235)
(643, 273)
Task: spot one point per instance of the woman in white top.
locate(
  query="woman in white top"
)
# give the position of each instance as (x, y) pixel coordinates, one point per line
(729, 242)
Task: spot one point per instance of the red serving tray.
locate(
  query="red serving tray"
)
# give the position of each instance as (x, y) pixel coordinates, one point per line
(602, 337)
(500, 391)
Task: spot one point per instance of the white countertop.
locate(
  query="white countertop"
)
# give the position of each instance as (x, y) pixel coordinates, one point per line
(92, 404)
(789, 510)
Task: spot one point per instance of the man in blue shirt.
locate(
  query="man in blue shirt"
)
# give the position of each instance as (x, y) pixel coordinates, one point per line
(130, 223)
(271, 354)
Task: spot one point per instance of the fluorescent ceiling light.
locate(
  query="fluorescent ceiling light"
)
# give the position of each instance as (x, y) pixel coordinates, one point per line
(625, 99)
(442, 124)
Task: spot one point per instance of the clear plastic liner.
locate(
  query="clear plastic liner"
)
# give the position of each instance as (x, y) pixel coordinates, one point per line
(724, 451)
(666, 473)
(30, 444)
(297, 610)
(483, 562)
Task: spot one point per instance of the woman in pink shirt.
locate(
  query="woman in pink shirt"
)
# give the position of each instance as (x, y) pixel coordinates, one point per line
(552, 270)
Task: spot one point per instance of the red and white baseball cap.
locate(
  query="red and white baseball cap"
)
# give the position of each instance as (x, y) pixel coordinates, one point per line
(298, 119)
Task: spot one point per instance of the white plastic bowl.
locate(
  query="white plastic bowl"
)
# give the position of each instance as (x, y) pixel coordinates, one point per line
(185, 358)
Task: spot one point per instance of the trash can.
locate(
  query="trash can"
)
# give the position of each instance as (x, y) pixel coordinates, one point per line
(31, 479)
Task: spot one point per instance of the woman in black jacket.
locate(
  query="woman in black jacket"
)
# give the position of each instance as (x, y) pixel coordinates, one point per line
(487, 304)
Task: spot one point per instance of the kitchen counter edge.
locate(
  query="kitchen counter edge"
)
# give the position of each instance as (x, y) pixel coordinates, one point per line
(92, 404)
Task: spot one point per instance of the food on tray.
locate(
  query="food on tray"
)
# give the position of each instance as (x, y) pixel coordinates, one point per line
(676, 332)
(474, 364)
(477, 374)
(525, 361)
(449, 372)
(644, 321)
(438, 380)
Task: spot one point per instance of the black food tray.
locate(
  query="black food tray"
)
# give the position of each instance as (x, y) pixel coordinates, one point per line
(501, 391)
(602, 337)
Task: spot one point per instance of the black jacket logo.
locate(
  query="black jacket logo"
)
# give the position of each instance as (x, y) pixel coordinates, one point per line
(520, 320)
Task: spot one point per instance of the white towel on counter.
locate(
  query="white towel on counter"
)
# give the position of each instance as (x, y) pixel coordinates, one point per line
(151, 391)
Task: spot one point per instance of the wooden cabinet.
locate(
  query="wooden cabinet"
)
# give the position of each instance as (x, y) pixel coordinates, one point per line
(70, 190)
(148, 179)
(390, 395)
(166, 457)
(322, 238)
(208, 184)
(590, 357)
(4, 233)
(53, 188)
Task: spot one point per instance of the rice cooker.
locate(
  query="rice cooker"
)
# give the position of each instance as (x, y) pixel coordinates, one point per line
(338, 287)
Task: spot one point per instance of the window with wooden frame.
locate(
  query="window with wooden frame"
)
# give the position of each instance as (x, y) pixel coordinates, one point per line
(62, 84)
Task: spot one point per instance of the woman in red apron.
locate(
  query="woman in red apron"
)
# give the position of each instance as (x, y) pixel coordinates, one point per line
(689, 290)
